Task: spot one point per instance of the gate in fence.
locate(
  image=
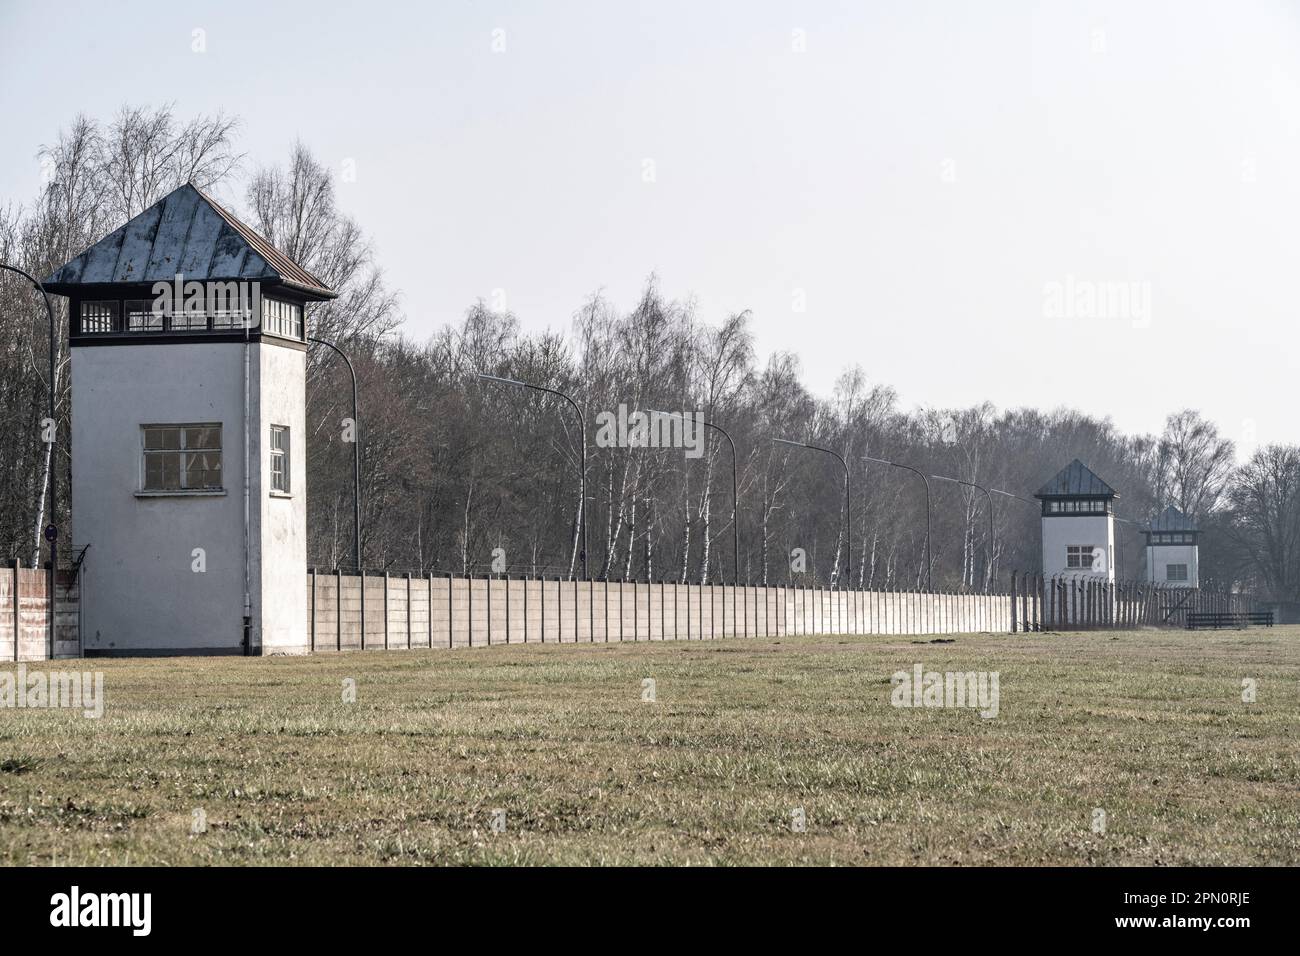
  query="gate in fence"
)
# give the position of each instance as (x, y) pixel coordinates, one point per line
(1077, 602)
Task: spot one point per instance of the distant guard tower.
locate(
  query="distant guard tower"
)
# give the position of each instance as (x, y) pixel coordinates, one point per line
(188, 341)
(1078, 524)
(1173, 550)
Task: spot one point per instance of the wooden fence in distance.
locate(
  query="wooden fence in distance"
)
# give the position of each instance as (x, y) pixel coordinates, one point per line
(1074, 602)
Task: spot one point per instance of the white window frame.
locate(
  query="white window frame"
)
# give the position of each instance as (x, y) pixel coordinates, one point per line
(1083, 552)
(140, 316)
(181, 451)
(282, 454)
(282, 318)
(99, 316)
(1169, 572)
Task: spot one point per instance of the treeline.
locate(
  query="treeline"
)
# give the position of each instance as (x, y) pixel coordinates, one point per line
(467, 475)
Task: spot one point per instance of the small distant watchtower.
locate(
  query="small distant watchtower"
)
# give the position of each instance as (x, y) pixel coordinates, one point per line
(188, 338)
(1173, 550)
(1078, 524)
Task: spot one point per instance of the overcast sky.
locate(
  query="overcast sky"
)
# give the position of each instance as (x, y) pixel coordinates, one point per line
(1092, 204)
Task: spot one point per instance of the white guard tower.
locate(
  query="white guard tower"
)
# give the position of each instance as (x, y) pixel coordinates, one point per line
(1078, 525)
(188, 342)
(1173, 548)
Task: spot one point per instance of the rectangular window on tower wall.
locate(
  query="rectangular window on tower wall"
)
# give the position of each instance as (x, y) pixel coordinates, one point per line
(1175, 572)
(99, 316)
(282, 318)
(181, 458)
(280, 459)
(1079, 556)
(141, 316)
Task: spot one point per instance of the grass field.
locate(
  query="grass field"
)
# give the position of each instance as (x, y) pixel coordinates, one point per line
(1148, 726)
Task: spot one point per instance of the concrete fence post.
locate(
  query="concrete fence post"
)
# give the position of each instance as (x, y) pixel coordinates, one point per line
(663, 621)
(1013, 602)
(385, 610)
(1040, 603)
(408, 610)
(312, 631)
(451, 633)
(17, 598)
(723, 603)
(363, 608)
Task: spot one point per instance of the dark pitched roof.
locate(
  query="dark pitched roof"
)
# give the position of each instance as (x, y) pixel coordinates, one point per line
(1076, 480)
(1171, 519)
(185, 232)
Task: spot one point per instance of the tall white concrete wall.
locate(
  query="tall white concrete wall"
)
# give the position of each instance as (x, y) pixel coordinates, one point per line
(279, 521)
(25, 615)
(434, 611)
(1160, 556)
(1062, 531)
(140, 593)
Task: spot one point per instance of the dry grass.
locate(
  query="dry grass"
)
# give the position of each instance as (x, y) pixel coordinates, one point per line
(1148, 725)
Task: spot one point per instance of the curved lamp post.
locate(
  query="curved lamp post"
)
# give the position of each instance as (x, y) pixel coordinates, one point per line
(1036, 505)
(970, 484)
(51, 529)
(848, 515)
(929, 550)
(582, 437)
(1007, 494)
(735, 495)
(356, 451)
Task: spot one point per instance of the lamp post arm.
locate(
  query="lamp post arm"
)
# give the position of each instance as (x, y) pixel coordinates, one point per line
(848, 513)
(735, 504)
(356, 450)
(929, 546)
(582, 437)
(970, 484)
(52, 534)
(929, 550)
(848, 516)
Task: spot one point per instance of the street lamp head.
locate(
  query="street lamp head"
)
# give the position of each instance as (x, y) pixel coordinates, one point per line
(1007, 494)
(497, 378)
(786, 441)
(878, 461)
